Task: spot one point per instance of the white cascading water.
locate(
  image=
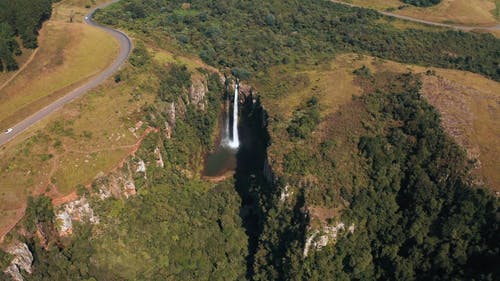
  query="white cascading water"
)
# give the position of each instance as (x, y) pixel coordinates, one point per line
(235, 142)
(226, 135)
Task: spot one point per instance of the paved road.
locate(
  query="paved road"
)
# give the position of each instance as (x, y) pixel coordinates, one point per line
(125, 49)
(458, 27)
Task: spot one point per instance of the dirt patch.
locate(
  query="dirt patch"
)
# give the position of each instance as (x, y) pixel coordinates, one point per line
(322, 215)
(221, 178)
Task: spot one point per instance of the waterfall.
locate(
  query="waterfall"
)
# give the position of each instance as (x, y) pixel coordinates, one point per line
(235, 142)
(226, 139)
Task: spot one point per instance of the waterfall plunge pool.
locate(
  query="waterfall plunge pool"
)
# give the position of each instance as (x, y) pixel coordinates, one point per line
(220, 162)
(223, 160)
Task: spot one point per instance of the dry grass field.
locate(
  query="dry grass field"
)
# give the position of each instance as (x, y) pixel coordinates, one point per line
(468, 103)
(69, 54)
(468, 12)
(86, 138)
(470, 109)
(92, 135)
(22, 61)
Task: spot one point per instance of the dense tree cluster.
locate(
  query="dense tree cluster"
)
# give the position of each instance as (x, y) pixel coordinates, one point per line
(252, 35)
(21, 18)
(5, 259)
(424, 219)
(418, 217)
(174, 82)
(422, 3)
(165, 233)
(305, 120)
(39, 215)
(176, 228)
(8, 47)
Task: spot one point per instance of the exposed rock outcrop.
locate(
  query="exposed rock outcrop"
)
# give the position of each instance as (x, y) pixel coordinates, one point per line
(171, 114)
(168, 131)
(118, 184)
(246, 90)
(197, 93)
(141, 167)
(23, 259)
(285, 193)
(78, 210)
(159, 158)
(327, 235)
(170, 124)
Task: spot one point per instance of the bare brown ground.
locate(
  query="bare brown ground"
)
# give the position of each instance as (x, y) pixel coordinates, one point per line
(320, 215)
(220, 178)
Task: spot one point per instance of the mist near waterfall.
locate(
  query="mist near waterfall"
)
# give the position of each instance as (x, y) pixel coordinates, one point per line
(223, 159)
(235, 142)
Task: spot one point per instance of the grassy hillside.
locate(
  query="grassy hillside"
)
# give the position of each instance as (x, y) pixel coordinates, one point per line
(76, 144)
(342, 171)
(69, 54)
(69, 148)
(345, 170)
(466, 102)
(298, 32)
(182, 228)
(476, 12)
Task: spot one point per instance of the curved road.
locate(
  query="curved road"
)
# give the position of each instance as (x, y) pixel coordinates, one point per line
(125, 49)
(458, 27)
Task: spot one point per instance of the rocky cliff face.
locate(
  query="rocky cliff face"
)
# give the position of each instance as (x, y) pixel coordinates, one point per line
(197, 93)
(318, 239)
(171, 114)
(170, 123)
(268, 172)
(78, 210)
(118, 184)
(159, 158)
(246, 90)
(23, 259)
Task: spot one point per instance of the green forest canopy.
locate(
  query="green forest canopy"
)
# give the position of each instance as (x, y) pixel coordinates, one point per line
(417, 217)
(254, 35)
(21, 18)
(422, 3)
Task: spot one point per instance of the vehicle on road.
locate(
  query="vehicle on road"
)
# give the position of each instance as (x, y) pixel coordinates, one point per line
(125, 50)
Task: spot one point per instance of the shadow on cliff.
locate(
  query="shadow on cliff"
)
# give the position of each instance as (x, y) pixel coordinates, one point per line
(252, 177)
